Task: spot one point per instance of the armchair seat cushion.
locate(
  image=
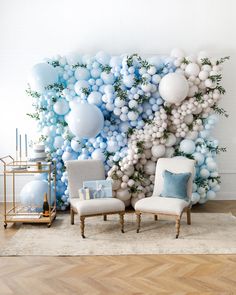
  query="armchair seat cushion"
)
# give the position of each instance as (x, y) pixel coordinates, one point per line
(163, 205)
(97, 206)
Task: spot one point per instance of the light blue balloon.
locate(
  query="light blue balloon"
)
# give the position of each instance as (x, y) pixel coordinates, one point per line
(85, 120)
(42, 75)
(103, 57)
(58, 142)
(82, 73)
(32, 194)
(80, 85)
(108, 78)
(95, 97)
(187, 146)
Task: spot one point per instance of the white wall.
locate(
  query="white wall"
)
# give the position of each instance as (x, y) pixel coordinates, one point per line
(31, 30)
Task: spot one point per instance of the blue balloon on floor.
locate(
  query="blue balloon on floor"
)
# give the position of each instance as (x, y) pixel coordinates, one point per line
(32, 194)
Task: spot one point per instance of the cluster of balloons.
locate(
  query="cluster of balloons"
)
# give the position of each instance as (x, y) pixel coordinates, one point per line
(128, 112)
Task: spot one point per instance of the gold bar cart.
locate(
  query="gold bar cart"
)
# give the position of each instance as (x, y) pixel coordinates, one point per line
(14, 214)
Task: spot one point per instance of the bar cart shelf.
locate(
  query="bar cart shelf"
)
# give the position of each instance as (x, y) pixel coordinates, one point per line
(18, 213)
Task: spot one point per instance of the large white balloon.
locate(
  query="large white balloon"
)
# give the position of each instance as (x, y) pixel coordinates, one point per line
(85, 120)
(41, 76)
(173, 88)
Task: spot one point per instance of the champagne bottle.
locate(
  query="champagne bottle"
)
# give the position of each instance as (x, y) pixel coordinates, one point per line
(45, 206)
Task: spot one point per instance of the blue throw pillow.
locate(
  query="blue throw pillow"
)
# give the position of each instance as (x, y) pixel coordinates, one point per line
(175, 185)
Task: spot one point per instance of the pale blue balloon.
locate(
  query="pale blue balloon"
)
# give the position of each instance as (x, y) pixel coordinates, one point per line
(108, 78)
(82, 73)
(187, 146)
(103, 57)
(32, 194)
(42, 75)
(58, 142)
(95, 97)
(85, 120)
(80, 85)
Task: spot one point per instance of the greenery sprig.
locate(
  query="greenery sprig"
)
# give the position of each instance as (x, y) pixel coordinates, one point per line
(222, 60)
(54, 63)
(180, 153)
(32, 93)
(34, 116)
(140, 146)
(58, 87)
(79, 65)
(206, 61)
(106, 68)
(220, 111)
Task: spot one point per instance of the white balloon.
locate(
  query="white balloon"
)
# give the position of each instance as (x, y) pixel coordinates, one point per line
(116, 184)
(188, 119)
(73, 58)
(85, 120)
(192, 69)
(173, 88)
(158, 150)
(171, 140)
(177, 52)
(150, 167)
(123, 194)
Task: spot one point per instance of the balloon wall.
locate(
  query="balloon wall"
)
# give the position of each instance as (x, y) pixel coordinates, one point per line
(129, 111)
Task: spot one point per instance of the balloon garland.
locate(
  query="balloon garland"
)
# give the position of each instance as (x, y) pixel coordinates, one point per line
(128, 112)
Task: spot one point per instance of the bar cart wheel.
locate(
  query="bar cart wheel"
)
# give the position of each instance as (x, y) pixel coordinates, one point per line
(49, 225)
(5, 225)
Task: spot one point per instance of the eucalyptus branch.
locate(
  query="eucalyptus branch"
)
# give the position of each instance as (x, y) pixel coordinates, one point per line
(220, 111)
(215, 78)
(206, 61)
(79, 65)
(34, 116)
(185, 61)
(222, 60)
(32, 93)
(179, 153)
(54, 63)
(106, 68)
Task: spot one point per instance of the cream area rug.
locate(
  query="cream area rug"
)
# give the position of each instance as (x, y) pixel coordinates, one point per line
(210, 233)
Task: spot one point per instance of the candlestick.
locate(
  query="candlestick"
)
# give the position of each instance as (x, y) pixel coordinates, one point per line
(16, 144)
(26, 147)
(20, 147)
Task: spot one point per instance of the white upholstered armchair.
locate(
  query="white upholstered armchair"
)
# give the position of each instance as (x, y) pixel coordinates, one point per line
(158, 205)
(82, 170)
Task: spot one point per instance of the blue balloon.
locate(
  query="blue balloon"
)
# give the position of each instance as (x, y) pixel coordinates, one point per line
(42, 75)
(32, 194)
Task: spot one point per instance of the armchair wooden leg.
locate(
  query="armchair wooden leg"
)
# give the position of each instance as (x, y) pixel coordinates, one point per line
(188, 216)
(138, 217)
(122, 221)
(155, 217)
(72, 216)
(105, 217)
(177, 226)
(82, 218)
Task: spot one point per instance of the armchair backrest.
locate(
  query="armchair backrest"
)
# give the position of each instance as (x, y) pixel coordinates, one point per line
(174, 165)
(81, 170)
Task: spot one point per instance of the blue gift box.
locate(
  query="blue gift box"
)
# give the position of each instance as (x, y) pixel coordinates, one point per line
(99, 188)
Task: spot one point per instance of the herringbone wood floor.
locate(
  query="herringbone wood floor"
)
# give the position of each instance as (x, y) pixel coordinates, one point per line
(133, 274)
